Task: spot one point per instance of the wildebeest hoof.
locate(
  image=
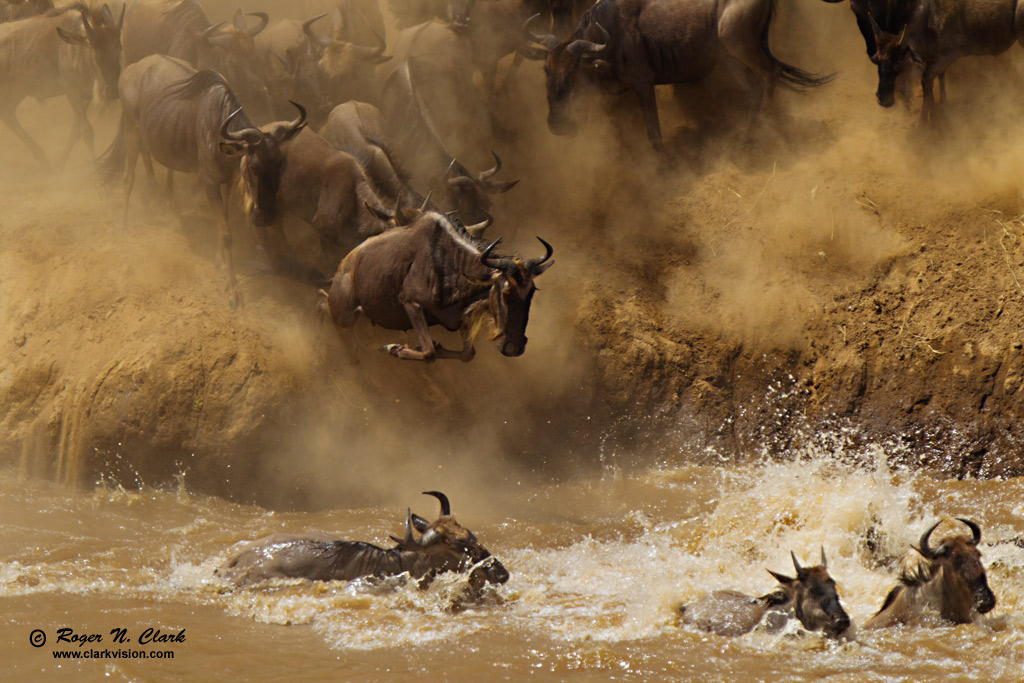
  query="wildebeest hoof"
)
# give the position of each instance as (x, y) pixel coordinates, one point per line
(392, 349)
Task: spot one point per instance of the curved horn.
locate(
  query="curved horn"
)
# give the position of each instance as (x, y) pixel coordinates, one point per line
(295, 125)
(924, 549)
(210, 32)
(486, 254)
(245, 135)
(578, 48)
(549, 251)
(796, 565)
(975, 529)
(426, 203)
(477, 229)
(264, 20)
(548, 40)
(409, 539)
(446, 508)
(316, 39)
(484, 175)
(372, 54)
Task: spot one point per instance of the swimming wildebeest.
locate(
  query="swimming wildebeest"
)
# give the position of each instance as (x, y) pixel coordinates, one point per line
(938, 33)
(810, 596)
(622, 45)
(442, 546)
(433, 273)
(948, 580)
(63, 52)
(175, 114)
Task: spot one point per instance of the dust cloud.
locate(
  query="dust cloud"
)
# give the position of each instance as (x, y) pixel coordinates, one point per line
(128, 363)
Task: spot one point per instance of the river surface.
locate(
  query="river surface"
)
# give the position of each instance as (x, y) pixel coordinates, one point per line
(599, 566)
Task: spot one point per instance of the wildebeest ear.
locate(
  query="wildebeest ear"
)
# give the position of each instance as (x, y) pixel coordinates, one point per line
(781, 578)
(72, 38)
(232, 148)
(420, 524)
(493, 187)
(377, 213)
(916, 58)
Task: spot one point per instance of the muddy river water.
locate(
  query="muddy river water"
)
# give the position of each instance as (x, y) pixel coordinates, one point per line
(599, 566)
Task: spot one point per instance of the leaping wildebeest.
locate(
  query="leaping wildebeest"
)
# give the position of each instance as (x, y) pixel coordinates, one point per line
(810, 596)
(176, 115)
(63, 52)
(434, 273)
(948, 580)
(622, 45)
(442, 546)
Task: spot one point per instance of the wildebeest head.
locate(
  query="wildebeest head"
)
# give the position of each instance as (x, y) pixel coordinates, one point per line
(583, 52)
(814, 598)
(468, 195)
(893, 56)
(103, 36)
(512, 291)
(236, 39)
(261, 162)
(341, 61)
(301, 81)
(959, 557)
(449, 546)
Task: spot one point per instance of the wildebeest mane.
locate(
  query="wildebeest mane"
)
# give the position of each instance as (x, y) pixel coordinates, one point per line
(389, 152)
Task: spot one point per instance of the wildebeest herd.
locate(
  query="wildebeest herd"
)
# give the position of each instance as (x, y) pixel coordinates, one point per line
(944, 582)
(196, 97)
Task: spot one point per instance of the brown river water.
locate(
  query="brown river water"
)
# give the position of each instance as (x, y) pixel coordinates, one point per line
(598, 566)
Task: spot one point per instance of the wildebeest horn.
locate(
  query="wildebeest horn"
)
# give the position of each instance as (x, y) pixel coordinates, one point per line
(548, 40)
(578, 48)
(874, 24)
(120, 20)
(903, 34)
(246, 135)
(372, 54)
(534, 263)
(264, 20)
(796, 565)
(284, 62)
(318, 40)
(824, 562)
(409, 540)
(477, 229)
(975, 529)
(446, 508)
(924, 549)
(298, 124)
(426, 203)
(484, 175)
(486, 254)
(210, 32)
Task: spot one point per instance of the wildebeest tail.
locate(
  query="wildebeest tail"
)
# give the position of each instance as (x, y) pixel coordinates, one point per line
(791, 76)
(110, 165)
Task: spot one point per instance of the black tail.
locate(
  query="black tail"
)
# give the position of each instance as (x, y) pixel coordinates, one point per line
(791, 76)
(110, 166)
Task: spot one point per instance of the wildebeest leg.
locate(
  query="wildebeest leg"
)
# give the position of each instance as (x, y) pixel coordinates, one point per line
(131, 160)
(216, 198)
(754, 85)
(9, 116)
(649, 106)
(81, 128)
(426, 352)
(467, 352)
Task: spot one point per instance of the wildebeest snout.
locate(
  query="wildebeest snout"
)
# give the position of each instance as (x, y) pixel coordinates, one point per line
(513, 348)
(489, 571)
(984, 599)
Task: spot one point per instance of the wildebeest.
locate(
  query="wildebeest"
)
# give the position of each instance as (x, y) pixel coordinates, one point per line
(622, 45)
(305, 176)
(811, 597)
(939, 32)
(879, 15)
(63, 52)
(12, 10)
(442, 546)
(360, 129)
(948, 580)
(180, 28)
(434, 273)
(347, 67)
(176, 115)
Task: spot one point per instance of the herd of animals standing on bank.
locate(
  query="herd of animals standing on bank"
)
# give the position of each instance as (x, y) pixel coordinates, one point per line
(382, 187)
(203, 98)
